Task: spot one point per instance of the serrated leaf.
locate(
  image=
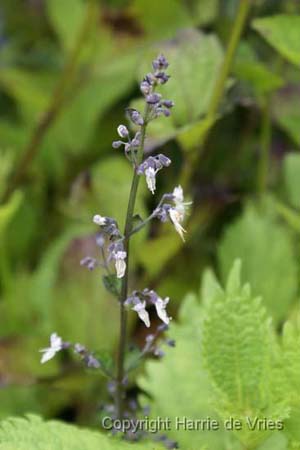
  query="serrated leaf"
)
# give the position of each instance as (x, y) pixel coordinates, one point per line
(290, 365)
(233, 285)
(182, 368)
(283, 33)
(210, 288)
(237, 351)
(35, 434)
(269, 264)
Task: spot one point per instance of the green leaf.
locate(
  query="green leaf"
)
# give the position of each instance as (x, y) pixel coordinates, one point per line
(33, 433)
(204, 11)
(290, 365)
(182, 368)
(283, 33)
(258, 76)
(237, 351)
(66, 20)
(84, 110)
(192, 135)
(210, 288)
(160, 20)
(111, 182)
(8, 210)
(253, 73)
(112, 284)
(291, 169)
(46, 275)
(195, 60)
(154, 253)
(291, 216)
(269, 264)
(30, 90)
(286, 111)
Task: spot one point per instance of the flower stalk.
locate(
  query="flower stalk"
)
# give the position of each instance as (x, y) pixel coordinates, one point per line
(124, 287)
(115, 246)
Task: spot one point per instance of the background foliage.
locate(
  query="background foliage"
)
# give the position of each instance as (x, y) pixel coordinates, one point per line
(67, 70)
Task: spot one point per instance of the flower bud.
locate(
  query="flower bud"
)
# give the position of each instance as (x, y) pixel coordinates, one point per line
(117, 144)
(99, 220)
(123, 131)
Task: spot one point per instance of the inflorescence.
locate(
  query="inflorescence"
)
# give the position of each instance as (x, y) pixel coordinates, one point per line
(111, 241)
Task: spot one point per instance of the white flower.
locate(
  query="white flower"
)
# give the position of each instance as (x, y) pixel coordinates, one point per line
(56, 344)
(177, 216)
(178, 194)
(150, 178)
(120, 263)
(177, 213)
(160, 306)
(140, 308)
(99, 220)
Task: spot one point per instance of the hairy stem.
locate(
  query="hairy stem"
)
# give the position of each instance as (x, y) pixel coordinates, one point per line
(124, 287)
(56, 102)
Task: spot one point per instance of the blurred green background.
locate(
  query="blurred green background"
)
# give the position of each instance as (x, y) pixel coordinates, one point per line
(68, 68)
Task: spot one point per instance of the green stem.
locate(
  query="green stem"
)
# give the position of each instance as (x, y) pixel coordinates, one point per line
(124, 287)
(238, 26)
(218, 91)
(265, 144)
(149, 218)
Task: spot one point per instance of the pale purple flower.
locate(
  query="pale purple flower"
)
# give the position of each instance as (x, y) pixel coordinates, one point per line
(150, 166)
(89, 262)
(135, 116)
(122, 131)
(160, 63)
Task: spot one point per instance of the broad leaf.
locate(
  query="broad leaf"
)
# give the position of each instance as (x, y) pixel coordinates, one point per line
(33, 433)
(269, 263)
(65, 20)
(238, 354)
(182, 368)
(195, 60)
(285, 108)
(283, 33)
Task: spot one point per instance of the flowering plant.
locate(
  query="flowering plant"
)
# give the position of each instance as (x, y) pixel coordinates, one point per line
(114, 244)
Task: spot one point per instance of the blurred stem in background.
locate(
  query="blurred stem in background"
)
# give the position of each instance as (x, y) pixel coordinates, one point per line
(265, 144)
(219, 88)
(237, 29)
(56, 103)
